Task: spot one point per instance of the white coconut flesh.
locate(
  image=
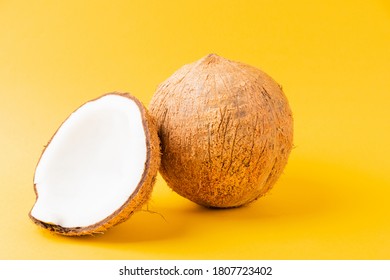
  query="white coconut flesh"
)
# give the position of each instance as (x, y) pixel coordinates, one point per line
(92, 165)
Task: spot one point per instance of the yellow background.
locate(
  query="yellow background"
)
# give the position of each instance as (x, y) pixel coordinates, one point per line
(332, 58)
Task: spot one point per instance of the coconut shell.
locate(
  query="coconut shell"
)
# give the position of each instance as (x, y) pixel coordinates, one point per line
(140, 195)
(226, 131)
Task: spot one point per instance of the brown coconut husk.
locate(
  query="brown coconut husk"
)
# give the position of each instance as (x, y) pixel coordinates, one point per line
(226, 131)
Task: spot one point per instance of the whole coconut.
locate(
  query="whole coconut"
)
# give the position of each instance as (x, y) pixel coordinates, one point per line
(226, 131)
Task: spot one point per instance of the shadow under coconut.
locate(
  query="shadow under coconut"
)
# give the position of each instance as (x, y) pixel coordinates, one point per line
(292, 199)
(141, 226)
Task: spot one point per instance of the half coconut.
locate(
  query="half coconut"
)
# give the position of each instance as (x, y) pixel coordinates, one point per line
(99, 167)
